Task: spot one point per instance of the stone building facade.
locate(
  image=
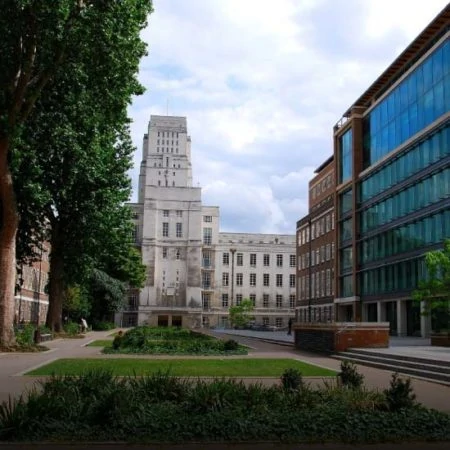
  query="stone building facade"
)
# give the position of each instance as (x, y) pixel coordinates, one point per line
(183, 248)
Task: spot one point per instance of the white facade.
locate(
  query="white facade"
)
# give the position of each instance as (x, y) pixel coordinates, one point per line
(183, 249)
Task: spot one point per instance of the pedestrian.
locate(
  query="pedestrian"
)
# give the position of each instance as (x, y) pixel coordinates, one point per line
(84, 325)
(289, 326)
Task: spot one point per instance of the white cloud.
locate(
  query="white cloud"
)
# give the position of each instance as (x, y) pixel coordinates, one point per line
(262, 83)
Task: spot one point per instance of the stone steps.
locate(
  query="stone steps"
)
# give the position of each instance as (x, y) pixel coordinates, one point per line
(430, 370)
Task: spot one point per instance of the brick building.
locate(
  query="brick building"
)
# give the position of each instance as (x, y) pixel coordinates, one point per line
(316, 249)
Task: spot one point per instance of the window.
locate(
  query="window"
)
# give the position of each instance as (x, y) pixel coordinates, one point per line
(266, 278)
(279, 260)
(253, 259)
(266, 260)
(239, 259)
(166, 213)
(279, 280)
(225, 259)
(207, 236)
(265, 300)
(179, 213)
(345, 156)
(165, 229)
(328, 252)
(253, 279)
(292, 280)
(265, 321)
(177, 254)
(224, 300)
(225, 279)
(253, 299)
(239, 279)
(292, 301)
(164, 252)
(179, 229)
(292, 260)
(207, 218)
(279, 301)
(328, 223)
(238, 299)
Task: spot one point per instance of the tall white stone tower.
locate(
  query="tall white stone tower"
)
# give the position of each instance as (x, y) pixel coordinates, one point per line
(169, 216)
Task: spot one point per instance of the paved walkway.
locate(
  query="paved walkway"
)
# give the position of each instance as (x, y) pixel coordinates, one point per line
(14, 365)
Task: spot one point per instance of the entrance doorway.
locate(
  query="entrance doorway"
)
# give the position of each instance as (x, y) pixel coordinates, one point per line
(163, 321)
(391, 317)
(349, 313)
(372, 314)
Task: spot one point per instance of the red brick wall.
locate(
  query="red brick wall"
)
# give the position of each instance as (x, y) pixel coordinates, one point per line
(362, 338)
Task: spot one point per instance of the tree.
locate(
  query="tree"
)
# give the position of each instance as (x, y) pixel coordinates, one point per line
(240, 315)
(434, 291)
(79, 145)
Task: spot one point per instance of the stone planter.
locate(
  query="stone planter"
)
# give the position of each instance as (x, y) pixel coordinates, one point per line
(441, 339)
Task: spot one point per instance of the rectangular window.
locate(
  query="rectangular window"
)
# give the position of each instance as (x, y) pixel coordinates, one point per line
(266, 278)
(292, 301)
(239, 259)
(225, 278)
(253, 299)
(179, 229)
(328, 252)
(179, 212)
(238, 299)
(207, 218)
(265, 300)
(239, 279)
(165, 230)
(253, 259)
(207, 236)
(279, 260)
(164, 252)
(292, 280)
(265, 321)
(292, 260)
(345, 156)
(253, 279)
(279, 301)
(226, 259)
(279, 280)
(266, 260)
(166, 213)
(224, 300)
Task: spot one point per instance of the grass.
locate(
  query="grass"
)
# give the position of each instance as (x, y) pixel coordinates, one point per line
(100, 343)
(184, 367)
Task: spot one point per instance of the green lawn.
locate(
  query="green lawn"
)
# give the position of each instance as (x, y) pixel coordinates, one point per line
(184, 367)
(101, 343)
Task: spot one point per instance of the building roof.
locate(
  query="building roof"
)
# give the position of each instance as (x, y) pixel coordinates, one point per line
(437, 28)
(324, 164)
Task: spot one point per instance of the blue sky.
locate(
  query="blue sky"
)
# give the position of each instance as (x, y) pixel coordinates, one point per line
(262, 83)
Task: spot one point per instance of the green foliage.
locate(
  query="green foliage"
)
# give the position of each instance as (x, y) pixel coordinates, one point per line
(76, 302)
(25, 335)
(400, 394)
(434, 290)
(349, 376)
(292, 379)
(98, 406)
(103, 325)
(172, 340)
(72, 328)
(240, 315)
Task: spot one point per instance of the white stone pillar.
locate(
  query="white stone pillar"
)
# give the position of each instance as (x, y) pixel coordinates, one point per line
(381, 312)
(401, 318)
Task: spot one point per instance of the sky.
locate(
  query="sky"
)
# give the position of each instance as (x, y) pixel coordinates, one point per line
(262, 84)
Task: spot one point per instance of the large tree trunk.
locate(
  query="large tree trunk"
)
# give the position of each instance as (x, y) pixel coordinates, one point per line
(8, 229)
(57, 287)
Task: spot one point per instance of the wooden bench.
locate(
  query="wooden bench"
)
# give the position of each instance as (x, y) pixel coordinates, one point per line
(46, 337)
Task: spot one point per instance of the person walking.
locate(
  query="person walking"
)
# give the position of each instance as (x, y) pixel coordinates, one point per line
(289, 326)
(84, 325)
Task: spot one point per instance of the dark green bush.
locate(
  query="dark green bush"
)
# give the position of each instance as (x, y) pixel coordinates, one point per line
(103, 325)
(291, 379)
(25, 335)
(349, 376)
(71, 328)
(400, 394)
(230, 345)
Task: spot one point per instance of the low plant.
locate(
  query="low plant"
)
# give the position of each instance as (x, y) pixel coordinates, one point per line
(400, 394)
(71, 328)
(103, 325)
(25, 335)
(291, 379)
(230, 345)
(349, 376)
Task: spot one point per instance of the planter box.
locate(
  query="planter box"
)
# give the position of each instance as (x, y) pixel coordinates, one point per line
(440, 339)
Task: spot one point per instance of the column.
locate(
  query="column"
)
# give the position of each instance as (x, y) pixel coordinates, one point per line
(425, 322)
(401, 318)
(381, 312)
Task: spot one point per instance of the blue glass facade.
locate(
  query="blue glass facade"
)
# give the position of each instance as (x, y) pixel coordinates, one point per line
(345, 144)
(421, 98)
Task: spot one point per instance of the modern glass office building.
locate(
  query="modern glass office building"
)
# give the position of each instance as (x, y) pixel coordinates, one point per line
(392, 152)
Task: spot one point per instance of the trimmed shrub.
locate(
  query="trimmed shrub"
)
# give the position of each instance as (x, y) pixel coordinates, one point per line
(71, 328)
(25, 335)
(230, 345)
(349, 376)
(291, 379)
(400, 394)
(103, 325)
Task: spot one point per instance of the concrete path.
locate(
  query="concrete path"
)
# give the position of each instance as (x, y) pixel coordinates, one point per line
(14, 365)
